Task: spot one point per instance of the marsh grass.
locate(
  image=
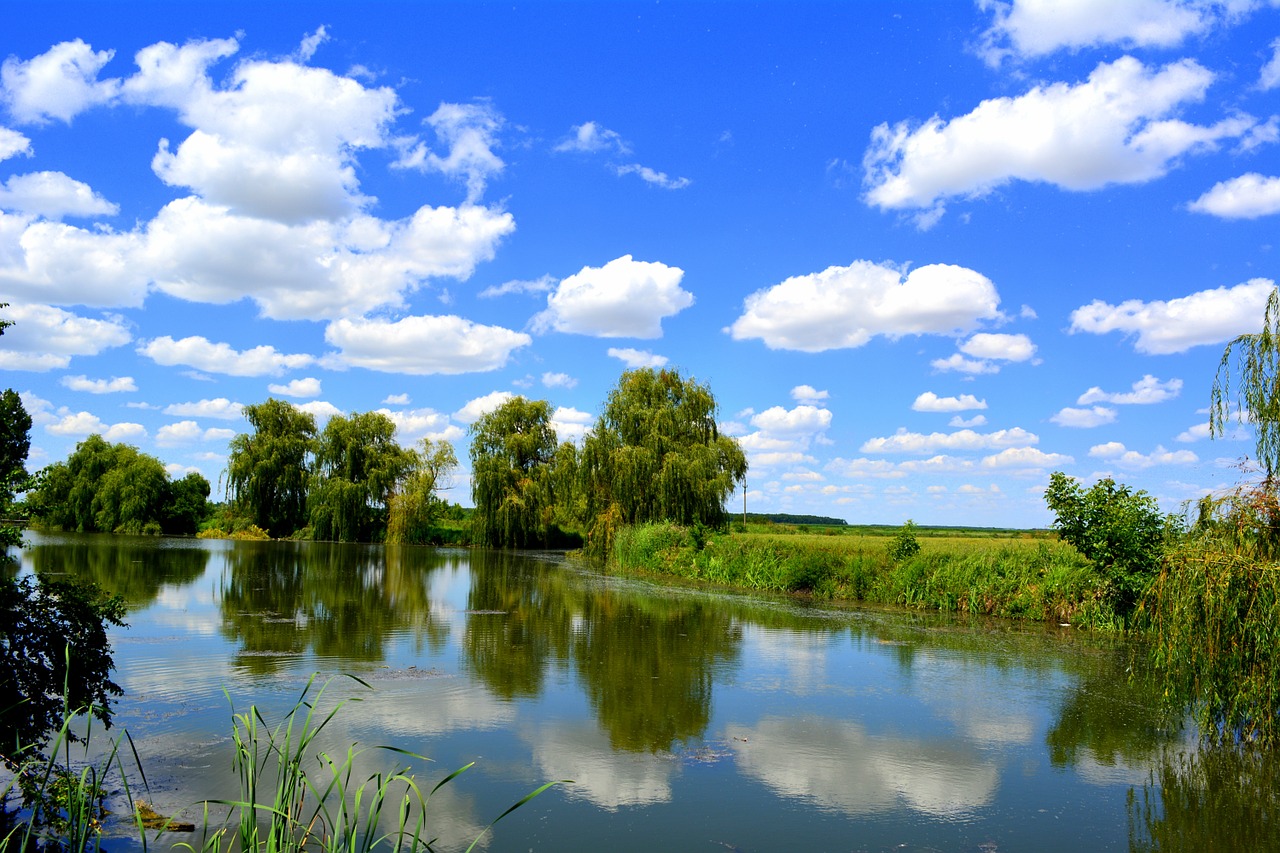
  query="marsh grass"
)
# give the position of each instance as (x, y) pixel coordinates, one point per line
(1027, 578)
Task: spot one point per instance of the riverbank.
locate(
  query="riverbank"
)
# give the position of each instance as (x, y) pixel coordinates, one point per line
(1021, 577)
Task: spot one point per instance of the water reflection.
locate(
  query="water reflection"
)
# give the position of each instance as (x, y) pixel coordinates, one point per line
(134, 568)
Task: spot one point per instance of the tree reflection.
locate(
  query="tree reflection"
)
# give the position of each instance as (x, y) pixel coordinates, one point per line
(1216, 798)
(279, 599)
(134, 569)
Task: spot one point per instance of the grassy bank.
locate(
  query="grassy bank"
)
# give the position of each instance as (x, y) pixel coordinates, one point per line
(1032, 578)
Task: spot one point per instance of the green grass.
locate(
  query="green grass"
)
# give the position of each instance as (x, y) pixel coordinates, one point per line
(1024, 577)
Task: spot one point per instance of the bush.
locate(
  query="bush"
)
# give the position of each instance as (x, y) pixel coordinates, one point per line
(904, 545)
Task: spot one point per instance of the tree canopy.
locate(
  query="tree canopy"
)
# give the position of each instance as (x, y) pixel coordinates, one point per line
(357, 468)
(512, 452)
(268, 469)
(1254, 362)
(412, 511)
(656, 454)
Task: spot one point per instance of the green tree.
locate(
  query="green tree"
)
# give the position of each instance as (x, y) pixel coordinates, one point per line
(656, 454)
(1122, 532)
(357, 467)
(413, 510)
(268, 470)
(1254, 360)
(512, 451)
(188, 503)
(15, 442)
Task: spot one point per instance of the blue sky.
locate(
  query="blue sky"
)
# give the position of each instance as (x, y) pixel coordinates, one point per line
(923, 253)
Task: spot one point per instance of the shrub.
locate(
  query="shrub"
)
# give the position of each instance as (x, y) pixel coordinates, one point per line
(904, 545)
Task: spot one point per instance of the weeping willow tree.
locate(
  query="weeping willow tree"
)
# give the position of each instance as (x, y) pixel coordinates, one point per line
(268, 469)
(513, 451)
(656, 454)
(412, 510)
(1215, 606)
(357, 468)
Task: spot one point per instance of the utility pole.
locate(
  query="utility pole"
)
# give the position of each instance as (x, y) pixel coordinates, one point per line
(744, 502)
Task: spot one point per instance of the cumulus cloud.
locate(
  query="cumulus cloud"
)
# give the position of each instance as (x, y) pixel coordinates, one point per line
(68, 423)
(412, 424)
(857, 469)
(959, 364)
(1094, 416)
(802, 420)
(423, 345)
(1026, 458)
(591, 138)
(1028, 28)
(306, 387)
(1197, 432)
(475, 409)
(544, 284)
(1247, 197)
(396, 400)
(189, 432)
(201, 353)
(1116, 453)
(624, 298)
(220, 408)
(636, 358)
(321, 410)
(986, 345)
(58, 84)
(559, 380)
(1163, 327)
(471, 133)
(967, 423)
(114, 385)
(913, 442)
(1269, 77)
(570, 424)
(931, 402)
(13, 143)
(1146, 391)
(53, 195)
(845, 307)
(809, 395)
(1133, 137)
(46, 338)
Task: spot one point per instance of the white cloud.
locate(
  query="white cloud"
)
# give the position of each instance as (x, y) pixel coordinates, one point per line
(321, 410)
(1117, 453)
(590, 138)
(1164, 327)
(470, 131)
(481, 406)
(856, 469)
(802, 420)
(53, 195)
(189, 432)
(931, 402)
(305, 387)
(68, 423)
(1132, 137)
(57, 84)
(1095, 416)
(913, 442)
(544, 284)
(808, 394)
(1030, 28)
(959, 422)
(114, 385)
(46, 338)
(959, 364)
(413, 424)
(559, 380)
(995, 346)
(653, 176)
(201, 353)
(1147, 390)
(1026, 458)
(311, 42)
(1196, 432)
(624, 298)
(570, 424)
(424, 345)
(636, 358)
(848, 306)
(1247, 197)
(1269, 76)
(396, 400)
(220, 408)
(13, 143)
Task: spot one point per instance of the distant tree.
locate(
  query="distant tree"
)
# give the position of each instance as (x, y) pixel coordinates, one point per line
(268, 470)
(357, 466)
(413, 510)
(187, 505)
(1122, 532)
(15, 442)
(512, 450)
(131, 496)
(656, 454)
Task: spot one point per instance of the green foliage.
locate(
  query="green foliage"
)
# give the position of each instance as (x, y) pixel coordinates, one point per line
(56, 656)
(15, 441)
(412, 512)
(513, 450)
(115, 488)
(656, 454)
(904, 546)
(1121, 531)
(1257, 387)
(268, 470)
(357, 466)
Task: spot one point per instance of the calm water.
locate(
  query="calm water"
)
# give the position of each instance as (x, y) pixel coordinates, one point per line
(688, 720)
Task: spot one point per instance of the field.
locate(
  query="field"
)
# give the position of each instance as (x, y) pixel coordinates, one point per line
(1016, 574)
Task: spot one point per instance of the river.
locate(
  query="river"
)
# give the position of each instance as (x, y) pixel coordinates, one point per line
(687, 719)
